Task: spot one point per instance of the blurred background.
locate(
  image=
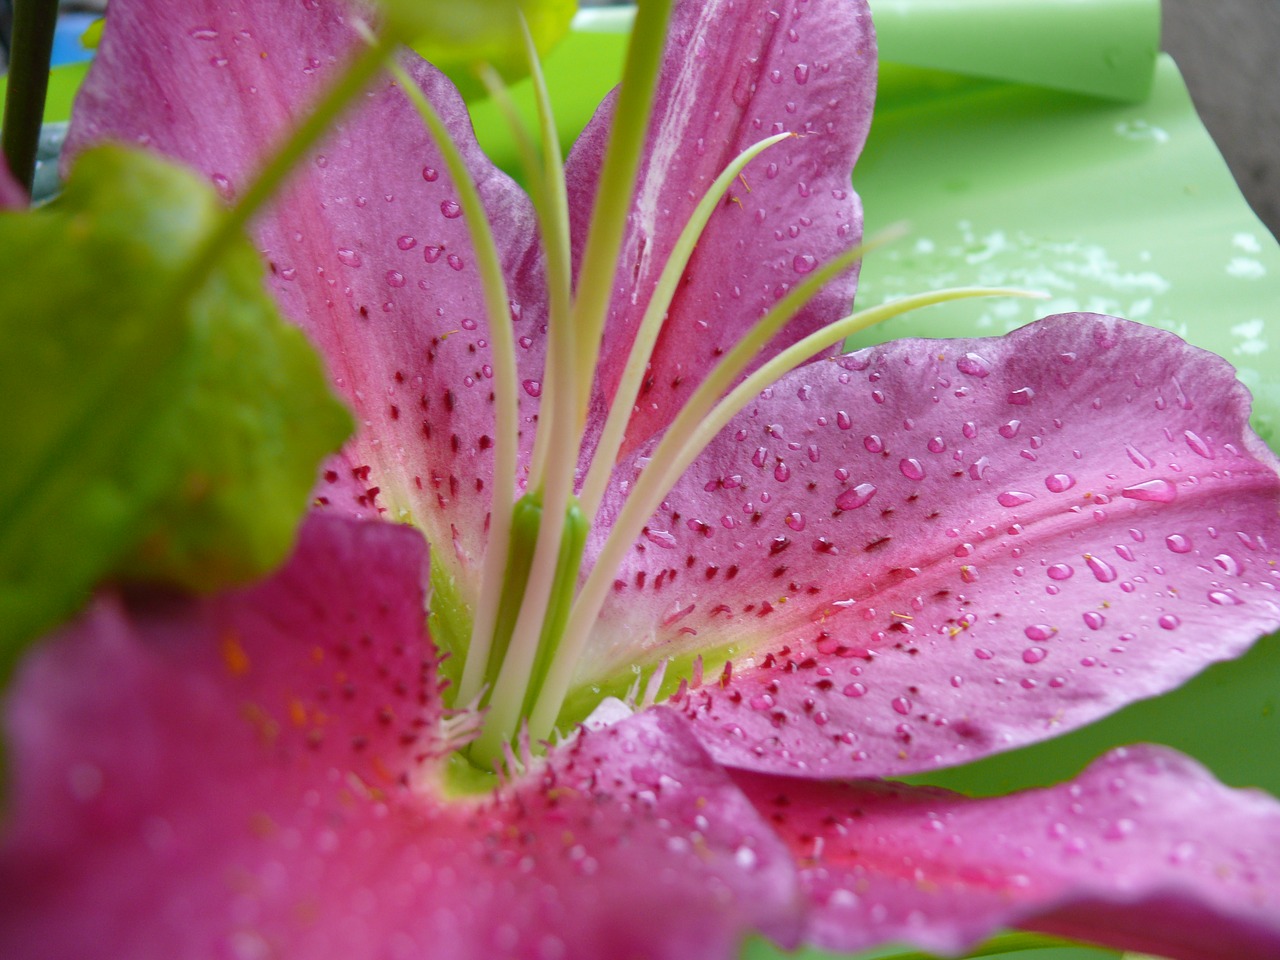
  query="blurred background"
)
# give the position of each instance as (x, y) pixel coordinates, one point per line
(1228, 50)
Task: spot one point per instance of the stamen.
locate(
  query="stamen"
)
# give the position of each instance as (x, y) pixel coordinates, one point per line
(506, 403)
(664, 291)
(617, 177)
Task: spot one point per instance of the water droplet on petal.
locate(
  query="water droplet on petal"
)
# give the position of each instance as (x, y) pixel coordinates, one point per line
(451, 209)
(1229, 564)
(1103, 571)
(856, 497)
(1178, 543)
(534, 389)
(349, 257)
(873, 444)
(974, 365)
(901, 705)
(1034, 654)
(1040, 631)
(406, 242)
(855, 689)
(1060, 482)
(430, 174)
(911, 468)
(803, 263)
(1014, 498)
(1170, 621)
(1153, 491)
(795, 521)
(1094, 620)
(1060, 571)
(1021, 397)
(1224, 599)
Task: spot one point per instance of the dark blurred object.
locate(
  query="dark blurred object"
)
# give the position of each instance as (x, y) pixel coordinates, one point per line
(1229, 53)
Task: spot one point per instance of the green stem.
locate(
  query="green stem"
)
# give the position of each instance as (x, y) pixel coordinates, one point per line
(505, 400)
(617, 179)
(33, 26)
(655, 314)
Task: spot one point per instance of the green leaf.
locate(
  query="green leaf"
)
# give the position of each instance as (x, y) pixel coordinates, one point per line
(456, 36)
(153, 427)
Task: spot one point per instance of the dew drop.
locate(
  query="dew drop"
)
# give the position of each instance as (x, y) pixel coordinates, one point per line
(1010, 429)
(1170, 621)
(782, 473)
(795, 521)
(901, 705)
(349, 257)
(1034, 654)
(1040, 631)
(1014, 498)
(802, 73)
(395, 278)
(1021, 397)
(855, 689)
(1103, 571)
(1153, 491)
(1229, 564)
(1224, 599)
(222, 183)
(1198, 445)
(1061, 571)
(454, 261)
(406, 242)
(1060, 482)
(1094, 620)
(911, 468)
(873, 444)
(803, 263)
(974, 365)
(1178, 543)
(936, 445)
(1138, 457)
(532, 387)
(430, 174)
(855, 497)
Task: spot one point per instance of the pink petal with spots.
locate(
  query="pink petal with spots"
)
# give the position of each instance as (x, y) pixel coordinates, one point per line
(735, 73)
(368, 250)
(12, 196)
(255, 775)
(1145, 852)
(932, 550)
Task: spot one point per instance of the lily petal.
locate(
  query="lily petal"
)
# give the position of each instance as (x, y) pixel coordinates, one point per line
(259, 777)
(12, 196)
(368, 250)
(734, 73)
(1145, 851)
(925, 552)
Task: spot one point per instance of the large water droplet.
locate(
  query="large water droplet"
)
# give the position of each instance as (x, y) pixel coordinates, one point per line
(349, 257)
(1059, 482)
(1034, 654)
(974, 365)
(534, 389)
(1103, 571)
(1153, 491)
(1224, 599)
(803, 263)
(451, 209)
(1014, 498)
(1178, 543)
(1170, 621)
(430, 174)
(1040, 631)
(855, 689)
(1021, 397)
(901, 705)
(856, 497)
(1094, 620)
(1060, 571)
(911, 468)
(1229, 564)
(873, 444)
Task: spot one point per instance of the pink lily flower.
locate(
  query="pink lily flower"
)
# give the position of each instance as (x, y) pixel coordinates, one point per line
(886, 562)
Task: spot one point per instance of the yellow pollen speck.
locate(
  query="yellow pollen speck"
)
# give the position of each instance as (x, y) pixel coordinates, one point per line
(955, 631)
(262, 54)
(262, 825)
(567, 838)
(297, 712)
(317, 653)
(233, 655)
(700, 803)
(743, 178)
(733, 199)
